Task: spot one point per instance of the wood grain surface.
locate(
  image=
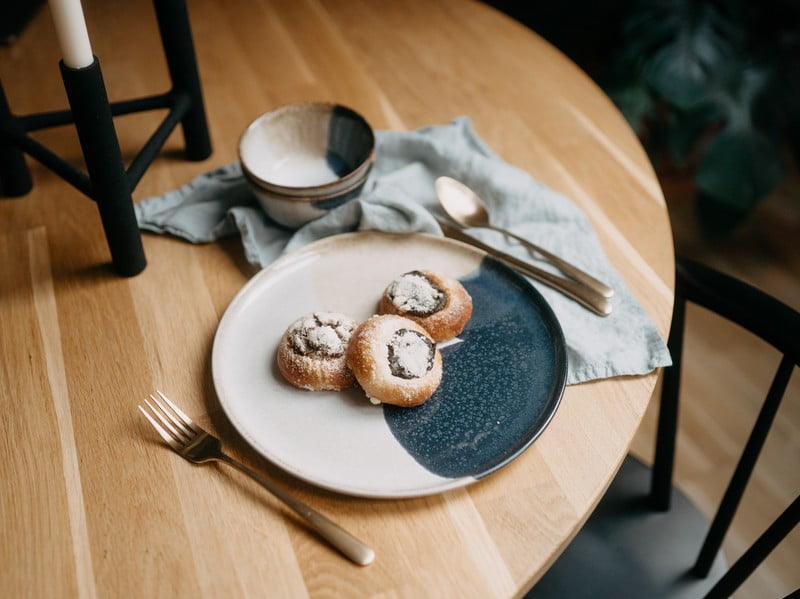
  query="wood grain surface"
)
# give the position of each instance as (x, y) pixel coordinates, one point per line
(92, 505)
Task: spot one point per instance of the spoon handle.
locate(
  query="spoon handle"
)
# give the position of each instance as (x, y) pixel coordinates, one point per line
(582, 294)
(568, 269)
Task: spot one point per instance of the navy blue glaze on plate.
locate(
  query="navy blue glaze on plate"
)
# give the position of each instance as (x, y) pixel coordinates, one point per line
(501, 385)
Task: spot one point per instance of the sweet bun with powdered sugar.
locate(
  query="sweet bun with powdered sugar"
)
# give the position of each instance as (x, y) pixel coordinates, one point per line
(312, 354)
(438, 303)
(395, 360)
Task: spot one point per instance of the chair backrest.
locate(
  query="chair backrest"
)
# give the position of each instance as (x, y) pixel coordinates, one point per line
(778, 325)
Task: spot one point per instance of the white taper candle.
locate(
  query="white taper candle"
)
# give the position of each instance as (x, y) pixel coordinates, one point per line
(73, 37)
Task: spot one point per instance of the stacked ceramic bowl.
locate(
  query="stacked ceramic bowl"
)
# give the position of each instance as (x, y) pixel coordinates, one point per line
(303, 160)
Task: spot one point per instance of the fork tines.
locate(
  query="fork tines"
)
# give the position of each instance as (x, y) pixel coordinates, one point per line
(174, 426)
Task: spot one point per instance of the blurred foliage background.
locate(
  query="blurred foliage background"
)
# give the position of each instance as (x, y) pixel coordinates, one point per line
(711, 87)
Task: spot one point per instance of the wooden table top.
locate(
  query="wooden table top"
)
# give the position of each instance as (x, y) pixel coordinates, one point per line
(92, 505)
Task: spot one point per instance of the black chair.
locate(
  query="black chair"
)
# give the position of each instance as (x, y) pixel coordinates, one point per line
(640, 544)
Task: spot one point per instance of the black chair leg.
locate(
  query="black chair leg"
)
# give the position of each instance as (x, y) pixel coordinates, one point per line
(744, 468)
(664, 459)
(176, 37)
(757, 552)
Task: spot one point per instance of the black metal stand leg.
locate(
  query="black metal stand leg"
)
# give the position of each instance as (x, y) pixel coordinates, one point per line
(15, 178)
(108, 183)
(88, 100)
(176, 37)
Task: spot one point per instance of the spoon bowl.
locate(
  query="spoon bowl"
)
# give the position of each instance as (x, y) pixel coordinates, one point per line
(462, 204)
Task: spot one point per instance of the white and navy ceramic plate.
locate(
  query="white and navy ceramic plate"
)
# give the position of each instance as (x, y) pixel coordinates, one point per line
(502, 383)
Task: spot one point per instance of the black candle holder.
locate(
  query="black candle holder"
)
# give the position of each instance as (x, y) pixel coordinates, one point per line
(108, 182)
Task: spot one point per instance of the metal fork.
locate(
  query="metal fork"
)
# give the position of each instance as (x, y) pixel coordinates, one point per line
(199, 446)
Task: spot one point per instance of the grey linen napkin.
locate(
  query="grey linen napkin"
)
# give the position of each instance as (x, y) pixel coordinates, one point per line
(399, 196)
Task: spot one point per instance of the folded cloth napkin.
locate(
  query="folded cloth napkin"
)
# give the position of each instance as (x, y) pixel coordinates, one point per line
(399, 196)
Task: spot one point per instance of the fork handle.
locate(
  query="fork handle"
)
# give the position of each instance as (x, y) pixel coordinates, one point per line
(342, 540)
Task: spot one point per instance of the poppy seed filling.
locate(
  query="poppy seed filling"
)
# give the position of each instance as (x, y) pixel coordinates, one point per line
(410, 354)
(414, 293)
(322, 334)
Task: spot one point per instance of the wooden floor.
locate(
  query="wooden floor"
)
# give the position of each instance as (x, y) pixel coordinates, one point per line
(727, 371)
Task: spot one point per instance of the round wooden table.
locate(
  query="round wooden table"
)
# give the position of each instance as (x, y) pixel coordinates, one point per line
(92, 505)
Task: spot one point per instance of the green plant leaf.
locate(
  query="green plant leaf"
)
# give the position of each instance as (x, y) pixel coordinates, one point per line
(739, 168)
(677, 77)
(737, 89)
(695, 41)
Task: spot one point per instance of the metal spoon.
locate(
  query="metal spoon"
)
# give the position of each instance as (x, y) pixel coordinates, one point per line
(586, 296)
(467, 209)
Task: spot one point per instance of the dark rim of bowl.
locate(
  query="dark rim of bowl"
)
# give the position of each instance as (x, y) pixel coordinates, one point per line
(302, 191)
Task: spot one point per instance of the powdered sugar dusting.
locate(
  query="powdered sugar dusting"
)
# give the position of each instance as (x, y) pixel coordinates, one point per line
(326, 340)
(410, 354)
(413, 292)
(324, 334)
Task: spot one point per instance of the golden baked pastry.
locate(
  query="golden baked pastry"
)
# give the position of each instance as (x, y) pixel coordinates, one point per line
(312, 353)
(395, 360)
(438, 303)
